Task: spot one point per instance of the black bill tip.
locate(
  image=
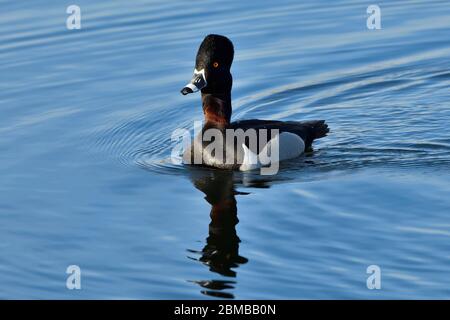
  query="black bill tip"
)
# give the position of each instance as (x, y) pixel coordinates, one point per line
(186, 91)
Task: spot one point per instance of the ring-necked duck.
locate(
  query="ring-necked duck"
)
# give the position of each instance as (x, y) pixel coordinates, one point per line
(212, 76)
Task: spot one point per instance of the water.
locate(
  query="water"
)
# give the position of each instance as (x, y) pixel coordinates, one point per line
(85, 125)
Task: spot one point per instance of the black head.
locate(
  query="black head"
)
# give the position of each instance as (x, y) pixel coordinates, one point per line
(212, 66)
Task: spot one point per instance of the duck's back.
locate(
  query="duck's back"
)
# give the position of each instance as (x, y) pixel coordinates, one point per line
(308, 131)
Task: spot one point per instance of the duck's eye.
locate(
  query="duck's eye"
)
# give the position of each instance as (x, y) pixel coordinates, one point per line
(215, 64)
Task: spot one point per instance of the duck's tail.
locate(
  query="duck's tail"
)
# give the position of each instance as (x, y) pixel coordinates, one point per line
(320, 129)
(316, 129)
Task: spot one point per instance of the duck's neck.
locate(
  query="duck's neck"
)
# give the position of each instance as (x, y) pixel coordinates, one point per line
(217, 108)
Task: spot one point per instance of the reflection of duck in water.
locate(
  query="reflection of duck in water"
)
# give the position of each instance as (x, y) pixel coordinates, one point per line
(221, 252)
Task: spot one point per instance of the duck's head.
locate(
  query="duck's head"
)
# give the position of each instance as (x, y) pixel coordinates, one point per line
(212, 66)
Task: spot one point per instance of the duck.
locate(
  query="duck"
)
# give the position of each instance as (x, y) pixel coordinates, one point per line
(244, 144)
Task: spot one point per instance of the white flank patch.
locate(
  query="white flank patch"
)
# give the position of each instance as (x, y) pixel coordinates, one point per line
(290, 146)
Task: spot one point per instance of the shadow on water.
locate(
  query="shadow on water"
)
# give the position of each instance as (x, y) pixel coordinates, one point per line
(221, 251)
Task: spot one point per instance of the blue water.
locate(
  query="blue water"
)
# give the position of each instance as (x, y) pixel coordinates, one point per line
(86, 118)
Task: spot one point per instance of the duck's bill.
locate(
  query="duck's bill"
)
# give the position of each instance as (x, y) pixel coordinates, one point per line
(198, 82)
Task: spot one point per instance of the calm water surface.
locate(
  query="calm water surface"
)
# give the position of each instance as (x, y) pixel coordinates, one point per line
(85, 123)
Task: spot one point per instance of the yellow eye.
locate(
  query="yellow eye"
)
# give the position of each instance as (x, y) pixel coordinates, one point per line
(215, 64)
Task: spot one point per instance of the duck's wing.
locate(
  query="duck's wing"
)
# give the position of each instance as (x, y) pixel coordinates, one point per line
(308, 131)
